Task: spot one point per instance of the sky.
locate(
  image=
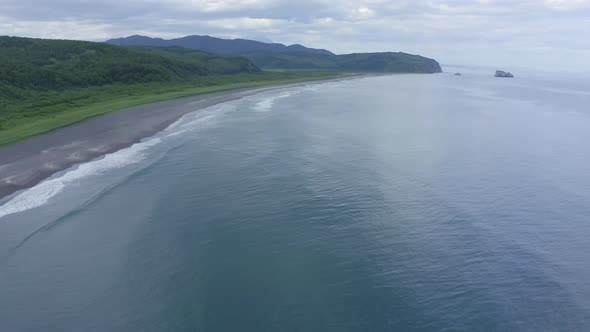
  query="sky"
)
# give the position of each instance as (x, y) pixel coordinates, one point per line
(543, 34)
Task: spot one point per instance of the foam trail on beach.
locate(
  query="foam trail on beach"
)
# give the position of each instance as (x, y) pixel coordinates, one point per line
(43, 192)
(265, 105)
(197, 119)
(187, 125)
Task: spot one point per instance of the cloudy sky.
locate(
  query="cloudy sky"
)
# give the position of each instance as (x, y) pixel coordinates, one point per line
(550, 34)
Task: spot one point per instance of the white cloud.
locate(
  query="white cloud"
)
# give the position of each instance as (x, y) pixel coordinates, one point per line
(87, 29)
(209, 6)
(246, 23)
(362, 13)
(567, 5)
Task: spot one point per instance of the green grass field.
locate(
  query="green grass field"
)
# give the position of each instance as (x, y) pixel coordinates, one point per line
(45, 111)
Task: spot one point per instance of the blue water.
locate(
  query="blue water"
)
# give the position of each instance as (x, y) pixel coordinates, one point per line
(393, 203)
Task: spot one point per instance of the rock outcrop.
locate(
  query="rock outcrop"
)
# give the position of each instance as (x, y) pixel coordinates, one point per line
(500, 73)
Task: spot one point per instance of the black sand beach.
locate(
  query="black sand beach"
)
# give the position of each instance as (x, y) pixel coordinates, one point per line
(27, 163)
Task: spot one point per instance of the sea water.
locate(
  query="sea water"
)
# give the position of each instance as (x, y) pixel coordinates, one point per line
(390, 203)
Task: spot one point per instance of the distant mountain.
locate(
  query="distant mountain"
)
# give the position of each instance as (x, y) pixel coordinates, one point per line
(385, 62)
(392, 62)
(217, 45)
(279, 56)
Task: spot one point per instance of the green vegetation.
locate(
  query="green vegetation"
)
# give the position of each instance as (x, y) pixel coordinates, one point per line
(45, 111)
(389, 62)
(38, 64)
(386, 62)
(48, 84)
(207, 62)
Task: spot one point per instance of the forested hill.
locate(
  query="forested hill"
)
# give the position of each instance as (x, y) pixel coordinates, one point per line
(384, 62)
(49, 84)
(218, 45)
(279, 56)
(40, 64)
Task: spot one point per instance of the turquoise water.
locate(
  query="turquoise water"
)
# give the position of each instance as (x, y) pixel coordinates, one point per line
(394, 203)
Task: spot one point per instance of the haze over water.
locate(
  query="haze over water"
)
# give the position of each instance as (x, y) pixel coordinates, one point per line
(404, 202)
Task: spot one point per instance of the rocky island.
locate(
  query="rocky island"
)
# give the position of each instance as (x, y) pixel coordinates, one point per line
(500, 73)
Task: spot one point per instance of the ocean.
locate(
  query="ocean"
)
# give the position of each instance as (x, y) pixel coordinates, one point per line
(387, 203)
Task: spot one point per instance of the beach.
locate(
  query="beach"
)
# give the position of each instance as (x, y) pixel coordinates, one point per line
(25, 164)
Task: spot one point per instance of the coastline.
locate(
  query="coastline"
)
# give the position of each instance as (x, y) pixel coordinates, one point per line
(29, 162)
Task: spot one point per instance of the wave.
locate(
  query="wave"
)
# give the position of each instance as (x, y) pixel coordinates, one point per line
(194, 119)
(44, 191)
(266, 105)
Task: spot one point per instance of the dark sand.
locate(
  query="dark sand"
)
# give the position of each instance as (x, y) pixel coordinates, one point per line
(27, 163)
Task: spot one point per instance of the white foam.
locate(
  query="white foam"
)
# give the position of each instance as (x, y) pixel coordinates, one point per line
(265, 105)
(187, 123)
(197, 117)
(176, 133)
(44, 191)
(198, 101)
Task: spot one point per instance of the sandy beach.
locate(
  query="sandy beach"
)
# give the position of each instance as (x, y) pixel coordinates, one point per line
(27, 163)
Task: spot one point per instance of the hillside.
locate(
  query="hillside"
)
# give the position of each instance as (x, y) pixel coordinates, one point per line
(210, 63)
(278, 56)
(39, 64)
(385, 62)
(217, 45)
(393, 62)
(48, 84)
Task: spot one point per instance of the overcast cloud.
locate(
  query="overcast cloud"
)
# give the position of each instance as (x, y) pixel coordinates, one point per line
(551, 34)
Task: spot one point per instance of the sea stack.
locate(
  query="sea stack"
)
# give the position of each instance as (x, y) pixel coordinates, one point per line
(500, 73)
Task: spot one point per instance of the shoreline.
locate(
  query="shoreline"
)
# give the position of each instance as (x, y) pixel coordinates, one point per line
(27, 163)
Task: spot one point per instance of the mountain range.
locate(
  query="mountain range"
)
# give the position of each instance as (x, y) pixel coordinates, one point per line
(217, 45)
(279, 56)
